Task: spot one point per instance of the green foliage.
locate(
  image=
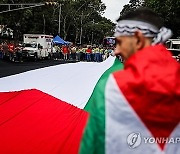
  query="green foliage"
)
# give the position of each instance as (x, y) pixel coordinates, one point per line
(133, 4)
(168, 10)
(45, 19)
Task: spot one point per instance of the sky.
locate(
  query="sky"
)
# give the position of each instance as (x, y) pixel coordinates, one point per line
(113, 8)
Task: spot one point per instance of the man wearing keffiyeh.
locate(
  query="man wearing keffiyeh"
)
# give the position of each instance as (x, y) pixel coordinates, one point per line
(140, 101)
(141, 28)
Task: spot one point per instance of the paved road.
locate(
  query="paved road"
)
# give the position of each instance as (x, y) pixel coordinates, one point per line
(10, 68)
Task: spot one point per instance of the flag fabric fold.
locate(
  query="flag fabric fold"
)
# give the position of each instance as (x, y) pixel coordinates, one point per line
(34, 122)
(34, 118)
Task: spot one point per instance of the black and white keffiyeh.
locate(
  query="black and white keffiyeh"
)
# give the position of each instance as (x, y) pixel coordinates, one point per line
(129, 27)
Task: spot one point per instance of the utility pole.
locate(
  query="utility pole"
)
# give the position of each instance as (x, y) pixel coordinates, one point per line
(80, 40)
(92, 34)
(44, 25)
(59, 29)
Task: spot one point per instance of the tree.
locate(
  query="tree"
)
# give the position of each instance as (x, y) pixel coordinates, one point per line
(168, 10)
(133, 4)
(45, 19)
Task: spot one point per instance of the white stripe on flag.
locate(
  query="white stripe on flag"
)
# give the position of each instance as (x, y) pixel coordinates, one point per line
(72, 83)
(171, 147)
(121, 120)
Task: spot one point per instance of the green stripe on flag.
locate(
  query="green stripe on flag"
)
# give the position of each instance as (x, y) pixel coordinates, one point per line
(102, 80)
(93, 140)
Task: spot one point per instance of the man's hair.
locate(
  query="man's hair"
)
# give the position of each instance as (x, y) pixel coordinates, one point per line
(143, 14)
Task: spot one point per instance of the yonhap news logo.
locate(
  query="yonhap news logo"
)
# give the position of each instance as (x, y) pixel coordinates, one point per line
(135, 139)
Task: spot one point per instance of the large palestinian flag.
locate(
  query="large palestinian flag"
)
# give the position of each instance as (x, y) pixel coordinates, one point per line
(136, 110)
(40, 109)
(72, 83)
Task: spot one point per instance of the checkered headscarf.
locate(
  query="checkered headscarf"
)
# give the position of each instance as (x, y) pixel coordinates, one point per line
(129, 27)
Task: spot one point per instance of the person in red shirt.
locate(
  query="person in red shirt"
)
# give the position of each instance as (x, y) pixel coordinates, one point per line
(11, 47)
(88, 53)
(65, 52)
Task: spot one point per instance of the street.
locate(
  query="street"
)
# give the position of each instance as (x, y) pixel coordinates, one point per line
(10, 68)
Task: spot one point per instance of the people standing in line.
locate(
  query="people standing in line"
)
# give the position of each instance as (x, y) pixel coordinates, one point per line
(97, 53)
(105, 55)
(78, 54)
(81, 53)
(93, 53)
(101, 53)
(84, 53)
(55, 52)
(73, 52)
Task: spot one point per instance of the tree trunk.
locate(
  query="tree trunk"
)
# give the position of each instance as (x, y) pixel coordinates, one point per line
(77, 35)
(64, 28)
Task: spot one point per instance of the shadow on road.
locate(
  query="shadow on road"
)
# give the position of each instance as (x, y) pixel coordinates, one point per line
(10, 68)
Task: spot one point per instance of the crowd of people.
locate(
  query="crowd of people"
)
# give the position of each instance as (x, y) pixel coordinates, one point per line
(88, 53)
(82, 53)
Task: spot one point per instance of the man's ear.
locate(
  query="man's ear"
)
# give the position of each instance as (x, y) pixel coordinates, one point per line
(140, 40)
